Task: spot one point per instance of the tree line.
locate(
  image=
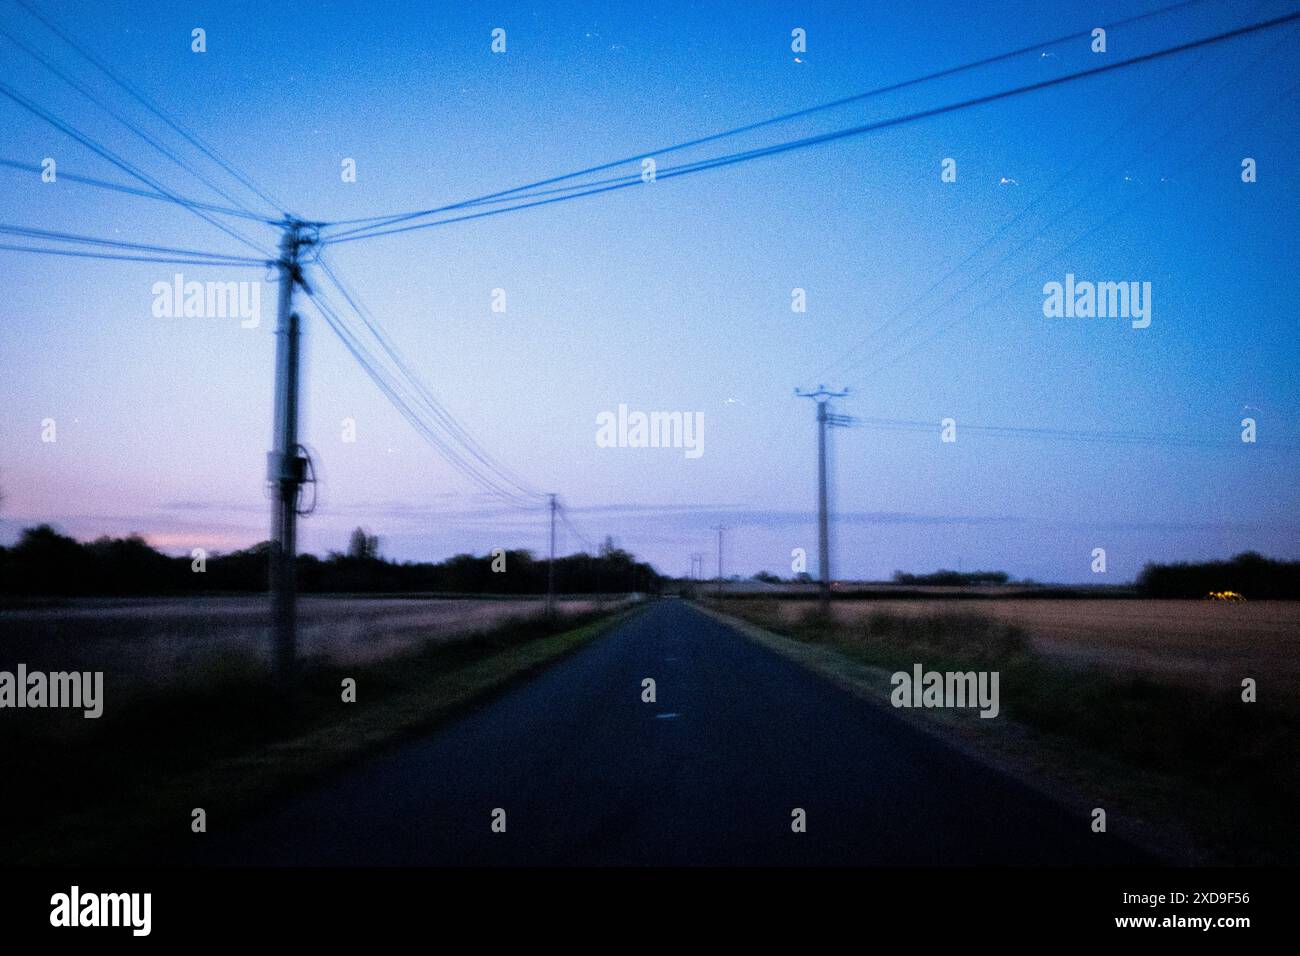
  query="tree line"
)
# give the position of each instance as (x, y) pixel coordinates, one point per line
(953, 578)
(1249, 574)
(45, 562)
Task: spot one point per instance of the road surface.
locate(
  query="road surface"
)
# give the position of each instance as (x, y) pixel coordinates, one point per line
(708, 774)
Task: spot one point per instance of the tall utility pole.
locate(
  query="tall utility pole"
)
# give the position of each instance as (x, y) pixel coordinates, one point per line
(550, 566)
(824, 418)
(286, 468)
(718, 528)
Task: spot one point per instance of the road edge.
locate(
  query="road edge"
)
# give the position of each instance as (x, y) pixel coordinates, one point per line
(284, 768)
(1046, 775)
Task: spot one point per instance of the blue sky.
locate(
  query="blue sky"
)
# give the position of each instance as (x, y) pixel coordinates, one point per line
(676, 295)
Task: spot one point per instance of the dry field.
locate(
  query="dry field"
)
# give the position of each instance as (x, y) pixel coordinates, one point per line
(1188, 642)
(159, 640)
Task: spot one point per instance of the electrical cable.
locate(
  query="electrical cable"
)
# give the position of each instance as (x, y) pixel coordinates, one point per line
(117, 161)
(115, 243)
(798, 114)
(154, 109)
(91, 95)
(447, 420)
(835, 135)
(85, 254)
(394, 392)
(135, 191)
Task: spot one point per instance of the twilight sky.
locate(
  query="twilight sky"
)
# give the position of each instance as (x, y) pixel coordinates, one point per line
(924, 296)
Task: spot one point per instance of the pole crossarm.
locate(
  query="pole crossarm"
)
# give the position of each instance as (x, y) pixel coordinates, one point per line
(821, 393)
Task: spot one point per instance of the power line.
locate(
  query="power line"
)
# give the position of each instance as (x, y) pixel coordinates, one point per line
(120, 163)
(397, 394)
(394, 392)
(444, 416)
(877, 336)
(798, 114)
(586, 542)
(153, 108)
(907, 350)
(835, 135)
(1070, 435)
(90, 95)
(85, 254)
(882, 363)
(114, 243)
(135, 191)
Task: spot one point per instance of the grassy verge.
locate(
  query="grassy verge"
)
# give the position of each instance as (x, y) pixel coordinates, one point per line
(121, 789)
(1198, 776)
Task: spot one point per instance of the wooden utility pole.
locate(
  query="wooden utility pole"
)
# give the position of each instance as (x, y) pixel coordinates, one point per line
(824, 419)
(550, 567)
(719, 528)
(286, 468)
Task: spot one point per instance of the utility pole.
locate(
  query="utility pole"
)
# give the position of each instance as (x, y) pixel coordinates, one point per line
(550, 567)
(286, 468)
(719, 528)
(824, 418)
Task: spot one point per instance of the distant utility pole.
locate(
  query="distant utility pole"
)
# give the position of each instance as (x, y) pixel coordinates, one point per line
(550, 566)
(718, 528)
(286, 467)
(824, 418)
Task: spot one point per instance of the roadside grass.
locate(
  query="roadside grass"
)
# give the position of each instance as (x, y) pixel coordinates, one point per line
(1224, 772)
(219, 738)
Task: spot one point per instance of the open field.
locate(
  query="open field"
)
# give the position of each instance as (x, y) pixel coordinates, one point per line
(189, 708)
(1194, 643)
(156, 641)
(1124, 702)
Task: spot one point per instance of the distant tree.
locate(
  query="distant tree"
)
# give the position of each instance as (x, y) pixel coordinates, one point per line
(46, 562)
(363, 546)
(767, 577)
(125, 565)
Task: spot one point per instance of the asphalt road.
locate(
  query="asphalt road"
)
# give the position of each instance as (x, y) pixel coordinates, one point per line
(709, 774)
